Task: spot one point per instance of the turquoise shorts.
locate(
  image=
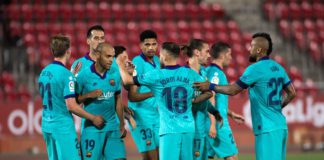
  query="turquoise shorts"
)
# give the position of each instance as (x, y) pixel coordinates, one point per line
(223, 145)
(175, 146)
(200, 148)
(96, 145)
(271, 145)
(146, 137)
(61, 146)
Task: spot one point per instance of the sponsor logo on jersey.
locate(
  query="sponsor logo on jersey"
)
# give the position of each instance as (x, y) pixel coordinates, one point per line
(71, 86)
(112, 82)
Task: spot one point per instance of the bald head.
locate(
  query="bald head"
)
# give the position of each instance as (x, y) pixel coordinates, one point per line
(263, 40)
(103, 47)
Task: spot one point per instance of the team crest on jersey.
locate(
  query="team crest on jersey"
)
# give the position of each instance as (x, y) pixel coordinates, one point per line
(197, 153)
(148, 142)
(89, 154)
(112, 82)
(71, 86)
(215, 79)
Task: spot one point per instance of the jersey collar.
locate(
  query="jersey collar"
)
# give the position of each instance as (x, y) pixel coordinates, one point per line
(215, 65)
(93, 69)
(87, 56)
(58, 63)
(264, 58)
(172, 67)
(146, 60)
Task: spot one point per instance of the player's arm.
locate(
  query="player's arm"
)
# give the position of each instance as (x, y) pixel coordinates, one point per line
(120, 114)
(90, 95)
(134, 96)
(212, 127)
(289, 96)
(202, 97)
(236, 117)
(231, 89)
(126, 77)
(76, 109)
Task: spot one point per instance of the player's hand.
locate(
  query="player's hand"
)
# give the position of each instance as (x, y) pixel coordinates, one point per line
(77, 68)
(219, 118)
(123, 131)
(128, 111)
(95, 93)
(202, 86)
(130, 67)
(98, 121)
(212, 131)
(237, 118)
(132, 122)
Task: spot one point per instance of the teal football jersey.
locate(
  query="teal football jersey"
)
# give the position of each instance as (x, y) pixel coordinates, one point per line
(56, 83)
(87, 61)
(200, 109)
(172, 88)
(265, 81)
(145, 111)
(216, 75)
(110, 83)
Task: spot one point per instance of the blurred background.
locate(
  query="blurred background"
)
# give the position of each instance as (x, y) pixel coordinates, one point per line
(296, 27)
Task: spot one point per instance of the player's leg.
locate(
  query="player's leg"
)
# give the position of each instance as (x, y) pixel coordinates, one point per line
(170, 146)
(271, 145)
(187, 145)
(224, 144)
(210, 151)
(145, 141)
(92, 145)
(50, 146)
(115, 147)
(200, 148)
(67, 146)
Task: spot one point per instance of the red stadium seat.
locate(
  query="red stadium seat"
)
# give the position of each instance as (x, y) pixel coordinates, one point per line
(205, 11)
(220, 26)
(183, 26)
(318, 10)
(295, 11)
(68, 28)
(232, 26)
(315, 51)
(155, 11)
(104, 12)
(180, 11)
(28, 28)
(91, 10)
(207, 26)
(14, 12)
(78, 10)
(130, 11)
(53, 12)
(29, 40)
(192, 11)
(168, 11)
(282, 11)
(294, 73)
(217, 11)
(66, 12)
(117, 11)
(27, 12)
(39, 12)
(285, 28)
(142, 11)
(309, 26)
(307, 10)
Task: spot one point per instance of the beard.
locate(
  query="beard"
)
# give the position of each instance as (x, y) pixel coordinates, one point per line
(252, 58)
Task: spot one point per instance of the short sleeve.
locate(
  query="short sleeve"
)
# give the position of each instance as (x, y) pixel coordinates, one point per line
(149, 78)
(69, 86)
(138, 67)
(213, 76)
(249, 77)
(287, 80)
(118, 84)
(79, 85)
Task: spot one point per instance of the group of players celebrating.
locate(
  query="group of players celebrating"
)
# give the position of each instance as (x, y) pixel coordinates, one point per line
(174, 112)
